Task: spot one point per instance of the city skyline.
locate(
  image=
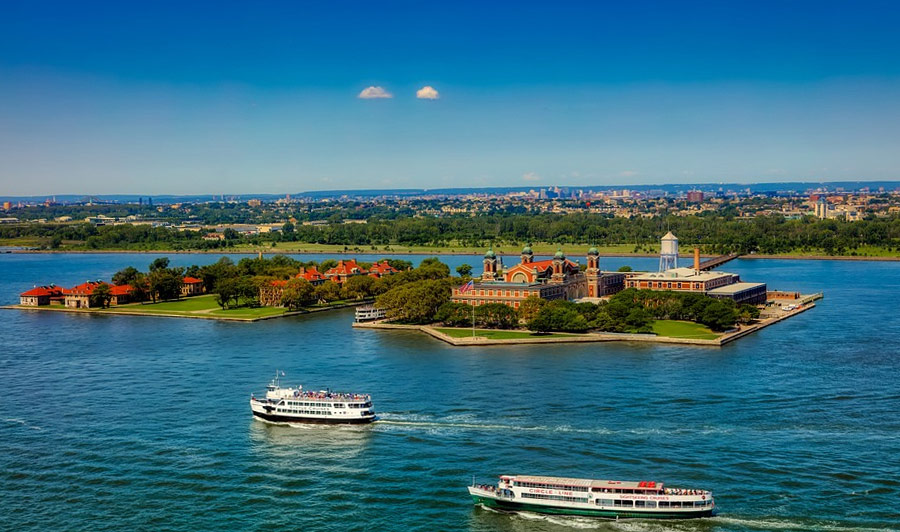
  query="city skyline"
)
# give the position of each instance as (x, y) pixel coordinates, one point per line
(107, 99)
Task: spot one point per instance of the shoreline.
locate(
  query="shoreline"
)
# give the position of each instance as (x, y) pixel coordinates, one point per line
(128, 312)
(432, 253)
(724, 339)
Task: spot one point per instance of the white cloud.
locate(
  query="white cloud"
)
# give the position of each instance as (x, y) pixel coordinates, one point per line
(427, 93)
(530, 176)
(370, 93)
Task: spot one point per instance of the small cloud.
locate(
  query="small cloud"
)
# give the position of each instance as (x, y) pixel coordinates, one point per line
(629, 173)
(530, 176)
(427, 93)
(371, 93)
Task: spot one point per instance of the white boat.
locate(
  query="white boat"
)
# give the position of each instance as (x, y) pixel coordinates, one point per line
(369, 313)
(296, 405)
(612, 499)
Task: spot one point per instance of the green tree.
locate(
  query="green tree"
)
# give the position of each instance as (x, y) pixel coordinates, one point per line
(496, 316)
(127, 275)
(529, 307)
(358, 287)
(719, 315)
(227, 290)
(464, 270)
(101, 296)
(297, 293)
(415, 302)
(213, 273)
(328, 291)
(166, 283)
(159, 264)
(624, 269)
(747, 313)
(455, 314)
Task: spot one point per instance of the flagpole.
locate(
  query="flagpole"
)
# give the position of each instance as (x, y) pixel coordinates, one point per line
(473, 318)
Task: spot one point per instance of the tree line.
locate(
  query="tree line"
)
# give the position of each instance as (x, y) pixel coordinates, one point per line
(714, 233)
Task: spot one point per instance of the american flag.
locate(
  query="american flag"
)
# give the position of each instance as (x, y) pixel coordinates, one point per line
(466, 287)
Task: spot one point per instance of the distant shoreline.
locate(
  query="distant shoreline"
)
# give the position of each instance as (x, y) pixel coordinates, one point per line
(438, 253)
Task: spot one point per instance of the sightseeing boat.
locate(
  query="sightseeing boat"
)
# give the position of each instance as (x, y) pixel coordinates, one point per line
(612, 499)
(296, 405)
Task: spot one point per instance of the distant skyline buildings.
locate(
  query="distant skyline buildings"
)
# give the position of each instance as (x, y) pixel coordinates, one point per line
(288, 97)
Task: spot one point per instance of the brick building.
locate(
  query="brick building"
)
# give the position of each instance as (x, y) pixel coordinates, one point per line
(556, 278)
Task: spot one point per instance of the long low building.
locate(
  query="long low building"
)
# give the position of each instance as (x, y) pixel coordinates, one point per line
(749, 293)
(681, 280)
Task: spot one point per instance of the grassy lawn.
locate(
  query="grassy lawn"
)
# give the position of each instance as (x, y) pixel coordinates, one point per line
(204, 305)
(495, 334)
(683, 329)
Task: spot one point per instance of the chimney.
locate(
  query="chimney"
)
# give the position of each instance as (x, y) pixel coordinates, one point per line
(697, 259)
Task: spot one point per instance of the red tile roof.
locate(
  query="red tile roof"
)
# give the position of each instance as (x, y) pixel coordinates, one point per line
(312, 274)
(43, 291)
(382, 268)
(192, 280)
(86, 289)
(345, 267)
(120, 289)
(542, 265)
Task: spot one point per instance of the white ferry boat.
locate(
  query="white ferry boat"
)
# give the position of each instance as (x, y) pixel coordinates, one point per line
(296, 405)
(369, 313)
(612, 499)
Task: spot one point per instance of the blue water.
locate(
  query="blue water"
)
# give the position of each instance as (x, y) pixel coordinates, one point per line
(134, 423)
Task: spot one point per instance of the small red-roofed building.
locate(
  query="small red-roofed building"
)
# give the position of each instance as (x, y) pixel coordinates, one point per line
(380, 269)
(40, 295)
(192, 287)
(312, 275)
(80, 296)
(120, 294)
(344, 270)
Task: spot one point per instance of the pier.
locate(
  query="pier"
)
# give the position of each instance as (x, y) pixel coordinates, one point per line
(715, 262)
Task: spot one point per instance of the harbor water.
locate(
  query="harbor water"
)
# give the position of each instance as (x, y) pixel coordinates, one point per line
(140, 423)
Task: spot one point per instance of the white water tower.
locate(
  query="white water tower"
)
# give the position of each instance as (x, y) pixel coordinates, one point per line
(668, 252)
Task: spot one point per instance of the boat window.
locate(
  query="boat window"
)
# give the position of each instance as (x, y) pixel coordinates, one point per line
(605, 502)
(338, 405)
(553, 497)
(622, 503)
(638, 504)
(650, 504)
(675, 504)
(699, 503)
(663, 504)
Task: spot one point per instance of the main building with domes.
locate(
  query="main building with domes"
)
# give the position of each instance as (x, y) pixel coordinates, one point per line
(556, 278)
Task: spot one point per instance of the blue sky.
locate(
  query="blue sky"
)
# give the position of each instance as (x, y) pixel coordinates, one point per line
(263, 97)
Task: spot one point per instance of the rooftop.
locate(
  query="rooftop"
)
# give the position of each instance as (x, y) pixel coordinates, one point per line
(682, 273)
(735, 288)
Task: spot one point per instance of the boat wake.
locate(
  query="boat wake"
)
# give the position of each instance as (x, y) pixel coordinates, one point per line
(22, 422)
(807, 525)
(687, 525)
(469, 424)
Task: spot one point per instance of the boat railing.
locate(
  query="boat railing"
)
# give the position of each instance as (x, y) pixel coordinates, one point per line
(495, 491)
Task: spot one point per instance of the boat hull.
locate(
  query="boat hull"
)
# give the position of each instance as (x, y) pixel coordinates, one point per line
(274, 418)
(515, 506)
